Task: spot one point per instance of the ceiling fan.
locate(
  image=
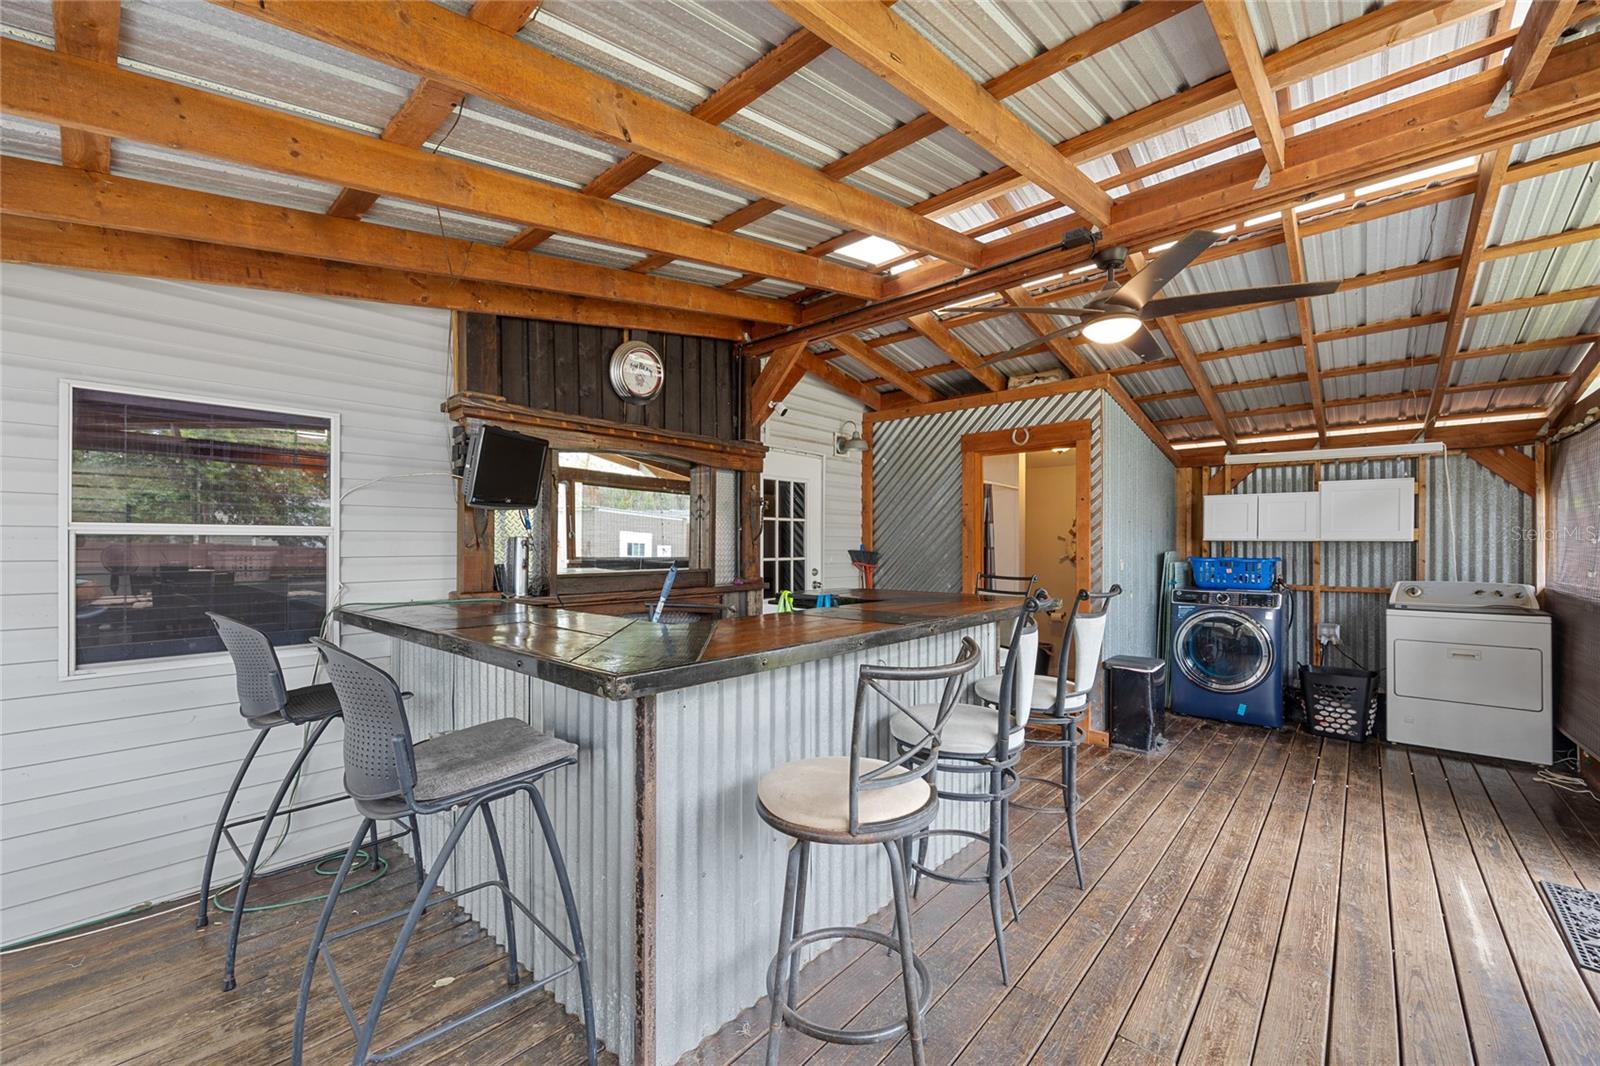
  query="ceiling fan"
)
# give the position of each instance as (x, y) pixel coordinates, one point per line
(1118, 314)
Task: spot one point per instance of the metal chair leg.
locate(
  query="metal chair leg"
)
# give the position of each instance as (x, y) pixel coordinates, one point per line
(267, 819)
(372, 854)
(321, 930)
(416, 847)
(1005, 839)
(799, 920)
(204, 915)
(1069, 783)
(922, 860)
(994, 889)
(573, 922)
(512, 976)
(779, 992)
(908, 970)
(369, 1029)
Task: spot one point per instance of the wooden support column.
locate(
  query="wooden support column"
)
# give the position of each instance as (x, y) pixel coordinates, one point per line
(1541, 514)
(702, 517)
(646, 848)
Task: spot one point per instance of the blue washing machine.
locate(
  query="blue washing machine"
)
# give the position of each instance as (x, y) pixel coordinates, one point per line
(1228, 652)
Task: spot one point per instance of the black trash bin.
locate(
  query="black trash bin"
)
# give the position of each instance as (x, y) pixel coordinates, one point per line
(1136, 701)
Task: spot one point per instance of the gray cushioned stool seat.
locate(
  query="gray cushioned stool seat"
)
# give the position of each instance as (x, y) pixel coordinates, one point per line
(1044, 693)
(312, 703)
(815, 793)
(468, 759)
(968, 731)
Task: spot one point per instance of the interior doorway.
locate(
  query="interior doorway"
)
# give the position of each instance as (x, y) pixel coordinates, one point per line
(1026, 510)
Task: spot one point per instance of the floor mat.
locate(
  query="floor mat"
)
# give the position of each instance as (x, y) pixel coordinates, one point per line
(1578, 916)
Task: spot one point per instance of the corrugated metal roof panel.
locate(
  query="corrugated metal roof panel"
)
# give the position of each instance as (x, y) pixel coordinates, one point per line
(989, 336)
(1190, 135)
(914, 353)
(772, 287)
(590, 251)
(1551, 203)
(1402, 239)
(1381, 383)
(699, 273)
(1422, 295)
(992, 38)
(1517, 365)
(1277, 363)
(791, 229)
(497, 136)
(1537, 323)
(1412, 343)
(676, 192)
(423, 218)
(1266, 396)
(1166, 379)
(1187, 407)
(1486, 400)
(1248, 271)
(1278, 25)
(932, 165)
(1556, 143)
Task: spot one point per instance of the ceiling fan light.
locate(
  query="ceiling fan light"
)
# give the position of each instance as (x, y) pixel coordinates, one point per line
(1111, 329)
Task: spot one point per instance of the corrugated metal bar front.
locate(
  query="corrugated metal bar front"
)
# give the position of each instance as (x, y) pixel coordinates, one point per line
(916, 484)
(721, 868)
(1138, 524)
(591, 805)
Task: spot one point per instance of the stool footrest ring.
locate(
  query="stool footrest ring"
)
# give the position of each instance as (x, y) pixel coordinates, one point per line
(958, 879)
(1052, 809)
(816, 1031)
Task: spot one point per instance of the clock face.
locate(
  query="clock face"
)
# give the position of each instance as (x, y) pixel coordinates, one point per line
(636, 372)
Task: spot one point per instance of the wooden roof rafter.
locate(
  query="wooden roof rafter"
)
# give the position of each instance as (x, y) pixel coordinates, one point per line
(1231, 23)
(88, 29)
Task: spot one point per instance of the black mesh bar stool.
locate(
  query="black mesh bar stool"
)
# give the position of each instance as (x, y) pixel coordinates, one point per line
(392, 778)
(982, 744)
(857, 800)
(1062, 704)
(266, 703)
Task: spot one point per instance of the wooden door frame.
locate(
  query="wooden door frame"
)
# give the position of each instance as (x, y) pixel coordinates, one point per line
(974, 446)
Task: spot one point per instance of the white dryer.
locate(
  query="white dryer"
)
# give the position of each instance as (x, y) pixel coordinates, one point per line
(1469, 669)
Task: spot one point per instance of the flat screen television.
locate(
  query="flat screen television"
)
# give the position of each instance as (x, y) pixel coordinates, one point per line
(504, 469)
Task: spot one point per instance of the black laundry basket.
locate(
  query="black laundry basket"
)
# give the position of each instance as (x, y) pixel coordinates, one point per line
(1341, 701)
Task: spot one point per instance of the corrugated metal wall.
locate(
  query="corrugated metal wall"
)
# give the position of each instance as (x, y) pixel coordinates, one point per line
(916, 484)
(591, 805)
(1475, 529)
(1138, 523)
(111, 783)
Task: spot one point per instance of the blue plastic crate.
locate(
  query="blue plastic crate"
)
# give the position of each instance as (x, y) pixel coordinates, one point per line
(1227, 572)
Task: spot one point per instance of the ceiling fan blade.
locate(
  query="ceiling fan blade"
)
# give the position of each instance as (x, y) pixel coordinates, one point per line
(1015, 309)
(1143, 286)
(1022, 349)
(1216, 301)
(1144, 345)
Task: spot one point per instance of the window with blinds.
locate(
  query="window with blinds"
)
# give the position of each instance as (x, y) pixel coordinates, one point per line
(1575, 521)
(177, 507)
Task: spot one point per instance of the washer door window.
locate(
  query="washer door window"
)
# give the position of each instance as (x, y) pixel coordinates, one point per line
(1223, 651)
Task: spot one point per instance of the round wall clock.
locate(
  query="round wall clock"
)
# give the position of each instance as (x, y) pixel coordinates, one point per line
(637, 373)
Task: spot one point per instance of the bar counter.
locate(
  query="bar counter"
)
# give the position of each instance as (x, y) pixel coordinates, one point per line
(679, 882)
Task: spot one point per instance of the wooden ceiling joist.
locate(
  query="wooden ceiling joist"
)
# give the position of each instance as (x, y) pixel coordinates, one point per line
(1197, 377)
(1238, 39)
(428, 107)
(1541, 26)
(884, 43)
(776, 380)
(25, 240)
(57, 194)
(88, 29)
(1566, 407)
(1308, 333)
(790, 54)
(52, 87)
(435, 42)
(838, 380)
(884, 367)
(957, 349)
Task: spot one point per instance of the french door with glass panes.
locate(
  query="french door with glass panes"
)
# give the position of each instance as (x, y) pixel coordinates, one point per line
(791, 522)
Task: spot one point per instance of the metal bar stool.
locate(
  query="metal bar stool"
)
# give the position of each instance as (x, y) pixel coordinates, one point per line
(266, 703)
(1062, 705)
(857, 800)
(985, 744)
(392, 778)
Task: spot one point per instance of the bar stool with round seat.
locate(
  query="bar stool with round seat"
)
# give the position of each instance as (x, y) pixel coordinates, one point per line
(1067, 702)
(855, 800)
(392, 778)
(266, 703)
(983, 744)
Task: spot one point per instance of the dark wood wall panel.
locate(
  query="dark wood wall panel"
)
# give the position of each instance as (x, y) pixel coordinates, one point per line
(562, 367)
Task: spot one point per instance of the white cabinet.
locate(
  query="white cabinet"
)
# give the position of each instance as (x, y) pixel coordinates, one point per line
(1231, 517)
(1288, 516)
(1374, 509)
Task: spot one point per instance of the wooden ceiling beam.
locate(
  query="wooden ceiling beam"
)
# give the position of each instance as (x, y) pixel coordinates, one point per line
(88, 29)
(1491, 176)
(1231, 22)
(435, 42)
(887, 45)
(956, 348)
(60, 244)
(59, 194)
(1197, 376)
(1565, 408)
(788, 56)
(1543, 24)
(1308, 332)
(776, 380)
(1358, 401)
(52, 87)
(838, 380)
(886, 369)
(425, 111)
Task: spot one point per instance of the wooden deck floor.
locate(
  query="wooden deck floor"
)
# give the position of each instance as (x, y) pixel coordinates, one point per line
(151, 993)
(1250, 897)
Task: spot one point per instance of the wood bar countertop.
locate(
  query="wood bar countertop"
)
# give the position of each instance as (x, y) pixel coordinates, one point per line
(620, 657)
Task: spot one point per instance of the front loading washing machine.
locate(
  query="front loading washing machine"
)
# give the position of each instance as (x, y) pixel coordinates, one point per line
(1228, 652)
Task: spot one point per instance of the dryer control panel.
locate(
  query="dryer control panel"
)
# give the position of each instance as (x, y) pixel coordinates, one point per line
(1463, 596)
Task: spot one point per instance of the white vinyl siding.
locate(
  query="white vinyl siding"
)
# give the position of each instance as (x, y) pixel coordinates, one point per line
(109, 784)
(815, 413)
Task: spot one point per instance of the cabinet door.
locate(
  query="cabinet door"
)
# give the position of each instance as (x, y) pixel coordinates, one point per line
(1377, 509)
(1231, 517)
(1288, 516)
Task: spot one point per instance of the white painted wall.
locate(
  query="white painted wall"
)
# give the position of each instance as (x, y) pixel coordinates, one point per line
(109, 785)
(814, 415)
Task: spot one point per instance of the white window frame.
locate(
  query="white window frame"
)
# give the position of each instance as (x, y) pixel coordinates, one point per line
(66, 568)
